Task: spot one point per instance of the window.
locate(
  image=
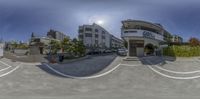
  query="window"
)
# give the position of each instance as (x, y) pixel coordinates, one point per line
(96, 41)
(96, 35)
(130, 31)
(88, 34)
(80, 31)
(80, 36)
(103, 32)
(103, 37)
(88, 29)
(103, 44)
(96, 30)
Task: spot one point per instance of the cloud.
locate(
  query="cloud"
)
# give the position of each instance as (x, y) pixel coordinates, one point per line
(26, 16)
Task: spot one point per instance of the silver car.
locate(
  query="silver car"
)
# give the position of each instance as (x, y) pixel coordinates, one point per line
(122, 52)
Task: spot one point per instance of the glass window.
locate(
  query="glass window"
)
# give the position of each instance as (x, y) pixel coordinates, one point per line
(88, 34)
(96, 35)
(80, 36)
(80, 31)
(103, 32)
(96, 30)
(103, 37)
(130, 31)
(96, 41)
(88, 29)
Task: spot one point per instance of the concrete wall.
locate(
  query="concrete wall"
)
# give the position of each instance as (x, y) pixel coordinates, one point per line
(140, 51)
(20, 51)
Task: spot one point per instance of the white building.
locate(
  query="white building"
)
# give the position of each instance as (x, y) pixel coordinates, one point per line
(177, 39)
(143, 38)
(116, 42)
(96, 37)
(56, 35)
(40, 45)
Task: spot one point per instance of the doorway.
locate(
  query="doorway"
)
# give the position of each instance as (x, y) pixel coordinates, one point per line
(149, 49)
(132, 48)
(133, 45)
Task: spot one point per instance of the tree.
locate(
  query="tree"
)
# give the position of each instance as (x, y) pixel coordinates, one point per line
(14, 44)
(194, 41)
(74, 40)
(55, 46)
(79, 48)
(65, 44)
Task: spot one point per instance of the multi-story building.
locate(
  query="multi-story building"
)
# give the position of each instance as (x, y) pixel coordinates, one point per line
(144, 38)
(56, 35)
(177, 39)
(116, 42)
(40, 44)
(96, 37)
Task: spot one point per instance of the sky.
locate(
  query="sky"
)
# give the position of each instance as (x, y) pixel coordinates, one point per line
(19, 18)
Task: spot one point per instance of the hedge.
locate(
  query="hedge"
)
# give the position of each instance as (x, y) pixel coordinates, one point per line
(182, 51)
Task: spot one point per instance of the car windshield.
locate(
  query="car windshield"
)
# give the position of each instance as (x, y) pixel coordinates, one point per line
(99, 49)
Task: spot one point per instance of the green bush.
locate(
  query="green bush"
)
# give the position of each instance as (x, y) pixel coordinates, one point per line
(182, 51)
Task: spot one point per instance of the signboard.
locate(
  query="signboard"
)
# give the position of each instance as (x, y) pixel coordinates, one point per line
(1, 49)
(148, 34)
(163, 46)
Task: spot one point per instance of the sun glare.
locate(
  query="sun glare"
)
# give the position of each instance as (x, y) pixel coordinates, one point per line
(100, 22)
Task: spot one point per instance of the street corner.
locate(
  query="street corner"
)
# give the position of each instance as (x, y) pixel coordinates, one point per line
(7, 67)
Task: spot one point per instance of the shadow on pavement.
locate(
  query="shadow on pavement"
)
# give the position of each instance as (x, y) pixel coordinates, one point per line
(81, 68)
(157, 60)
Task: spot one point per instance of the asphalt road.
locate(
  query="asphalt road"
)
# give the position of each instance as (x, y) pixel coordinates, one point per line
(130, 80)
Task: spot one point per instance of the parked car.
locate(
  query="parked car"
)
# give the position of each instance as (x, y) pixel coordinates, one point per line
(108, 51)
(122, 52)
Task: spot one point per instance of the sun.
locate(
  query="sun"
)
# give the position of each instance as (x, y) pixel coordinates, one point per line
(100, 22)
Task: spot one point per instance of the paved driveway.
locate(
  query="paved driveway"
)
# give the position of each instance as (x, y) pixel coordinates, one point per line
(128, 81)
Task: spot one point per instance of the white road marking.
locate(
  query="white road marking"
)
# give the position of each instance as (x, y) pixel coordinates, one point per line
(5, 64)
(6, 67)
(175, 72)
(89, 77)
(129, 65)
(172, 77)
(10, 71)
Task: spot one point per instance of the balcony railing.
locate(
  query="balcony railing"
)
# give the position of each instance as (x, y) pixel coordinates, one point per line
(141, 33)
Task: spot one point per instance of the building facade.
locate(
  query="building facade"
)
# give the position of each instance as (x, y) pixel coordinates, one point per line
(116, 43)
(96, 37)
(177, 39)
(56, 35)
(40, 44)
(144, 38)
